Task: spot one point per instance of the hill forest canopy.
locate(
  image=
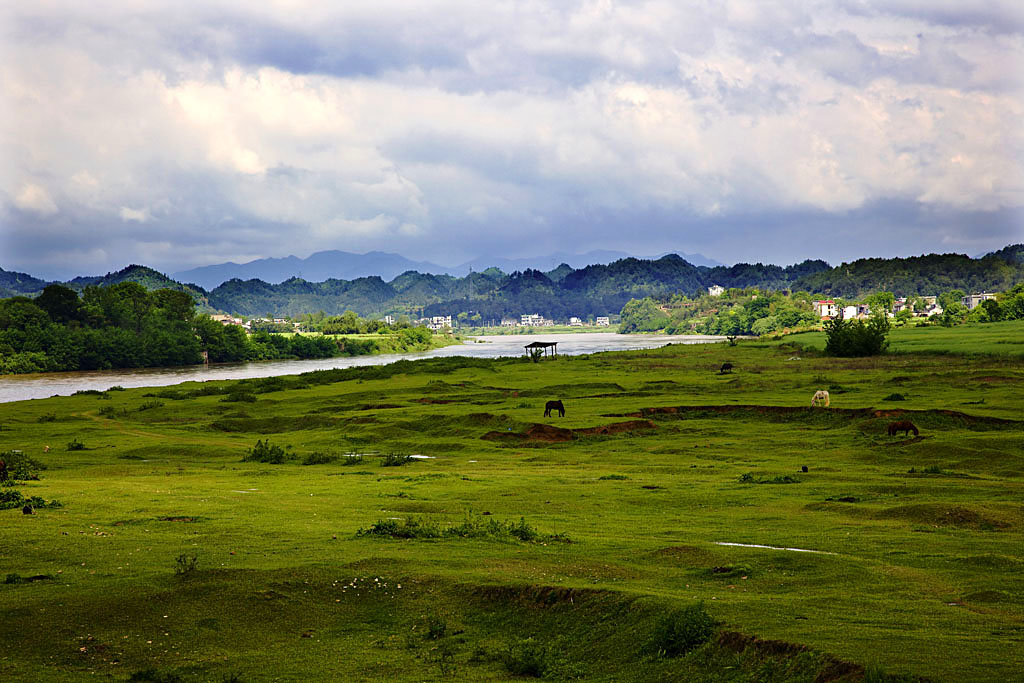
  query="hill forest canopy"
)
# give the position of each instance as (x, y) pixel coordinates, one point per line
(595, 290)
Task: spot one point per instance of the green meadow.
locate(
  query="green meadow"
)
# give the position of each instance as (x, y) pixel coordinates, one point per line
(515, 545)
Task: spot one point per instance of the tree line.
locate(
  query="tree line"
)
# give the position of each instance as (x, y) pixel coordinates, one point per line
(127, 326)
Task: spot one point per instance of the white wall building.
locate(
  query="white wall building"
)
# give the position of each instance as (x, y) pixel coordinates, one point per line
(603, 321)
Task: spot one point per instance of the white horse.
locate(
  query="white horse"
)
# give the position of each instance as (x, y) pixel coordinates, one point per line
(820, 398)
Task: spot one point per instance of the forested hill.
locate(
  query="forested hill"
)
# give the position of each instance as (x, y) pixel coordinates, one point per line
(923, 275)
(559, 293)
(15, 284)
(564, 291)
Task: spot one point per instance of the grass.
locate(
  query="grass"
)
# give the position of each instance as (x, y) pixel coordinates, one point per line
(177, 556)
(993, 339)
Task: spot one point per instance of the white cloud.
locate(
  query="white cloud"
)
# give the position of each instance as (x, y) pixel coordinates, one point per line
(35, 198)
(218, 133)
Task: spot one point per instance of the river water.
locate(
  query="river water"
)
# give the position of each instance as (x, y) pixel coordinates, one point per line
(23, 387)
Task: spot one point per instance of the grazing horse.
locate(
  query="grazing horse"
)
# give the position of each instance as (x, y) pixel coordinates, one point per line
(726, 367)
(820, 398)
(554, 405)
(905, 426)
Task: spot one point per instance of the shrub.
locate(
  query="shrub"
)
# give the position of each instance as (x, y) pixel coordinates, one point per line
(13, 499)
(895, 397)
(395, 459)
(46, 417)
(855, 337)
(526, 658)
(150, 405)
(185, 565)
(239, 396)
(319, 458)
(437, 627)
(20, 466)
(88, 392)
(681, 631)
(76, 445)
(352, 459)
(263, 451)
(107, 411)
(613, 477)
(116, 388)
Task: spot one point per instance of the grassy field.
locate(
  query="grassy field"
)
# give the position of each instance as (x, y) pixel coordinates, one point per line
(585, 547)
(996, 339)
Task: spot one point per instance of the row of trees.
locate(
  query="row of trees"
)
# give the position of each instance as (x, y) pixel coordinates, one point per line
(737, 311)
(127, 326)
(751, 311)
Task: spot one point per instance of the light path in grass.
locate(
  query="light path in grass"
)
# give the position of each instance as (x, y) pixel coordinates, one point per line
(773, 547)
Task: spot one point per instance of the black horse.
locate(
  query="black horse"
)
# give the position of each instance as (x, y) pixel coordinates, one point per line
(554, 405)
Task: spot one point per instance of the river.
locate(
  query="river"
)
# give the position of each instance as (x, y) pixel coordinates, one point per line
(43, 385)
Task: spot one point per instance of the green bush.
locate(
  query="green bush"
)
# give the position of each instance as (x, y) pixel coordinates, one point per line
(239, 396)
(526, 658)
(395, 459)
(20, 466)
(76, 445)
(264, 451)
(895, 397)
(681, 631)
(185, 565)
(319, 458)
(849, 338)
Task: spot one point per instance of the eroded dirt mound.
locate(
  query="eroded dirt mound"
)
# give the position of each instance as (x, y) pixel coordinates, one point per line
(939, 515)
(541, 596)
(546, 433)
(832, 670)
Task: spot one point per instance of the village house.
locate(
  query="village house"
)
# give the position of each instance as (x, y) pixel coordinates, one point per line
(716, 290)
(531, 320)
(575, 322)
(439, 322)
(603, 321)
(826, 309)
(972, 300)
(509, 322)
(227, 319)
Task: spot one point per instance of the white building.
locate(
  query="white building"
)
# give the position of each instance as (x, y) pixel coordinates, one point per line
(603, 321)
(716, 290)
(508, 322)
(972, 300)
(575, 322)
(440, 322)
(826, 308)
(532, 320)
(389, 320)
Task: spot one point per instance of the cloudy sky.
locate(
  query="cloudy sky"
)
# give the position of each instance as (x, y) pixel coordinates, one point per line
(178, 134)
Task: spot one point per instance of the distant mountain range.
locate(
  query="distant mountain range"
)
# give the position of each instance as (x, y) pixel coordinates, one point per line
(562, 291)
(343, 265)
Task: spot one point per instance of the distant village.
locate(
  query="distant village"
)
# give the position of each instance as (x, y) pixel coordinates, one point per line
(437, 323)
(825, 309)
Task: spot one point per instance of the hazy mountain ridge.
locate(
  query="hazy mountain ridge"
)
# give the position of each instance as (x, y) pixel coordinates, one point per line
(335, 264)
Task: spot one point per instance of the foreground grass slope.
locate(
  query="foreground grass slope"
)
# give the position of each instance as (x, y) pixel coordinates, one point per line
(919, 540)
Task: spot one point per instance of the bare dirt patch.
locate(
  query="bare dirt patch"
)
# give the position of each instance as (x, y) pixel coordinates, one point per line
(546, 433)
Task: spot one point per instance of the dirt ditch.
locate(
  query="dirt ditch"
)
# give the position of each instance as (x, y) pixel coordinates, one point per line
(551, 434)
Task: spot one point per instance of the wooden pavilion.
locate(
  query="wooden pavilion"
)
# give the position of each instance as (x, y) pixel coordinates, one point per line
(544, 347)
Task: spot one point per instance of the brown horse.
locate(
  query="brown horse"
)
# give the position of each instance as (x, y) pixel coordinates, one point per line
(905, 426)
(554, 405)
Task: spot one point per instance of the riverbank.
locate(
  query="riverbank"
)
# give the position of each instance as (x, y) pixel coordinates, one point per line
(42, 385)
